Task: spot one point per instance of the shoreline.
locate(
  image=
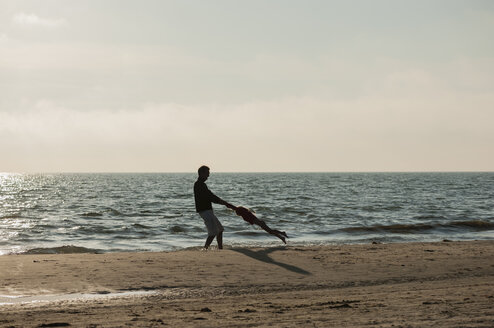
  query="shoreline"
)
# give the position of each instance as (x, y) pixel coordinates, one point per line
(75, 249)
(415, 284)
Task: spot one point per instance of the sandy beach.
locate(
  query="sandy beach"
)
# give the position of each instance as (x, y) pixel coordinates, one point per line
(443, 284)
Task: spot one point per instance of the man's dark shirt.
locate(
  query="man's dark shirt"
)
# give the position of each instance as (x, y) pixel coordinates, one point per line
(203, 197)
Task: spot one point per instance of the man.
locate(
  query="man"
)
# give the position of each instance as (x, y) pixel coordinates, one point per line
(203, 198)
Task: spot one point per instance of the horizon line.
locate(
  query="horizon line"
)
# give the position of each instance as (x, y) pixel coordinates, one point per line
(239, 172)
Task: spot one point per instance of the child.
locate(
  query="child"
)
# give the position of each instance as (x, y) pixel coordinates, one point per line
(248, 216)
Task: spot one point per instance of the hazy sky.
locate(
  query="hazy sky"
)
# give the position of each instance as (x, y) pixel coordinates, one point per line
(165, 86)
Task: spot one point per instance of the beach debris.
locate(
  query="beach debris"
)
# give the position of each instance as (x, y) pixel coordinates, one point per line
(247, 311)
(206, 309)
(341, 306)
(330, 304)
(55, 324)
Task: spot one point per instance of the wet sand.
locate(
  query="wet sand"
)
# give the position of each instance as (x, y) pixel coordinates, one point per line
(444, 284)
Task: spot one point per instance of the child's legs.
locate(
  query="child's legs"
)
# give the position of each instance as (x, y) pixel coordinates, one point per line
(263, 225)
(277, 233)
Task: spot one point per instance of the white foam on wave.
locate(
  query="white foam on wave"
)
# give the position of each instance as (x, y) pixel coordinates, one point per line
(31, 299)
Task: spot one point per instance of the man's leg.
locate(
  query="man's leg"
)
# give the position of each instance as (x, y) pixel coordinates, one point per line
(208, 241)
(219, 239)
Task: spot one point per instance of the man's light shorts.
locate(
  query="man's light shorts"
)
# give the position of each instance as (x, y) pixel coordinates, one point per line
(212, 223)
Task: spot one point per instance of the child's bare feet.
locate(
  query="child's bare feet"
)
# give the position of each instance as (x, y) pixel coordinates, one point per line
(281, 237)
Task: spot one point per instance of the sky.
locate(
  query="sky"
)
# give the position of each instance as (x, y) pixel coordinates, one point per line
(246, 86)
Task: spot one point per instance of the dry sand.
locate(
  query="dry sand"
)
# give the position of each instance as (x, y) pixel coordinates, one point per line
(444, 284)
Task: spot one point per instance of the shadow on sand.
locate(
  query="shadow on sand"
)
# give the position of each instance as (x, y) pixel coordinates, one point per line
(263, 256)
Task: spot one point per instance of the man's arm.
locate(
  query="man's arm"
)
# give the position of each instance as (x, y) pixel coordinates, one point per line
(215, 199)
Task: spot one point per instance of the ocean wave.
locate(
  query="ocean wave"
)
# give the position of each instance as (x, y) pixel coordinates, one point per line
(430, 217)
(110, 211)
(149, 212)
(11, 216)
(67, 249)
(140, 226)
(114, 212)
(478, 225)
(296, 211)
(98, 230)
(376, 208)
(92, 214)
(177, 229)
(171, 215)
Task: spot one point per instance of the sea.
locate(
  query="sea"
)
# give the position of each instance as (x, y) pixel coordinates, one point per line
(73, 213)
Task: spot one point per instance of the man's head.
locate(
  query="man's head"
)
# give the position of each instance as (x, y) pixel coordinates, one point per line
(203, 172)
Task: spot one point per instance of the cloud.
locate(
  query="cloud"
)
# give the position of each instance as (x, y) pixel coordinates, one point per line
(3, 38)
(290, 134)
(24, 19)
